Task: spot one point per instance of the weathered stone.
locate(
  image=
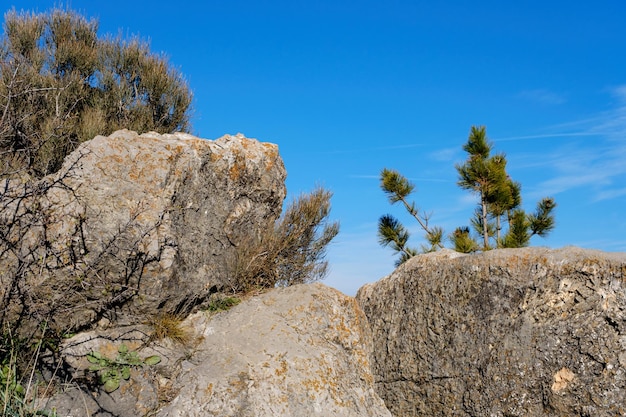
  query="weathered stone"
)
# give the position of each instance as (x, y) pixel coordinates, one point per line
(300, 351)
(515, 332)
(133, 225)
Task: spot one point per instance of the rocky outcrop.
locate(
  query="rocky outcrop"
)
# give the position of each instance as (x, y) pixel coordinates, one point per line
(133, 225)
(515, 332)
(299, 351)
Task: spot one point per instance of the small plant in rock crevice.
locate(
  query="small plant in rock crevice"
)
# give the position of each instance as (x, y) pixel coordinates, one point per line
(113, 371)
(223, 304)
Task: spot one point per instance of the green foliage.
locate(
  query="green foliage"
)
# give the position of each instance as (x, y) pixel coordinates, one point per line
(499, 196)
(498, 220)
(289, 252)
(12, 392)
(391, 232)
(396, 186)
(16, 395)
(485, 175)
(61, 84)
(113, 371)
(223, 304)
(542, 221)
(462, 240)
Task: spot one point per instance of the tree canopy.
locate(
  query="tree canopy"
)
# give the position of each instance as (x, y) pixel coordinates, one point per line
(61, 84)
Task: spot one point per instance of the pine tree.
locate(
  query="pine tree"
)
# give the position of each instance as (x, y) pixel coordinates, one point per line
(483, 174)
(391, 232)
(499, 196)
(498, 220)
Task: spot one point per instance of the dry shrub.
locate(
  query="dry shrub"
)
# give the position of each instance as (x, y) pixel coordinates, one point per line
(60, 85)
(290, 252)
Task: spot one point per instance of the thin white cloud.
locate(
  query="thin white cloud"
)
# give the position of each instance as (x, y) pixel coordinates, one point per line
(543, 96)
(445, 155)
(597, 164)
(546, 136)
(373, 149)
(367, 177)
(356, 259)
(610, 194)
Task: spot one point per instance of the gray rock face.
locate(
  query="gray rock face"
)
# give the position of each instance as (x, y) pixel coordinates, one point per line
(300, 351)
(516, 332)
(133, 225)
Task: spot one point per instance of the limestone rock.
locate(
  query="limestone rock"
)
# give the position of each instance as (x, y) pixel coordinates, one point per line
(300, 351)
(512, 332)
(133, 225)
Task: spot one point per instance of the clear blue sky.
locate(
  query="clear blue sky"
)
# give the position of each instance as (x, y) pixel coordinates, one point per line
(346, 88)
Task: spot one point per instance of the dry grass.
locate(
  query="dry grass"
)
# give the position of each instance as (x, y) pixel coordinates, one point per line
(170, 326)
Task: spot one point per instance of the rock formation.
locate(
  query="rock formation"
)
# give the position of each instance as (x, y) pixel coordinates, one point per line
(300, 351)
(133, 225)
(513, 332)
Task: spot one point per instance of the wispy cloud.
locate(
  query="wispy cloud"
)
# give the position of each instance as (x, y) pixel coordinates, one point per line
(445, 155)
(542, 96)
(547, 136)
(598, 164)
(610, 194)
(372, 149)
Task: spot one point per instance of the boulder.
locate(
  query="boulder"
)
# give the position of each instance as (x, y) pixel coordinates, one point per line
(300, 351)
(511, 332)
(133, 225)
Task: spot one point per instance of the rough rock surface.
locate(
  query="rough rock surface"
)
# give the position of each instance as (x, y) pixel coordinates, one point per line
(300, 351)
(515, 332)
(134, 224)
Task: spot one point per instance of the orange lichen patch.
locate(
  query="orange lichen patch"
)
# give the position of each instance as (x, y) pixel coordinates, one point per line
(271, 155)
(111, 350)
(246, 143)
(282, 369)
(237, 170)
(216, 154)
(238, 167)
(208, 391)
(561, 379)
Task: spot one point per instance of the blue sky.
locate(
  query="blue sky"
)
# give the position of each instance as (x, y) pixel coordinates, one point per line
(347, 88)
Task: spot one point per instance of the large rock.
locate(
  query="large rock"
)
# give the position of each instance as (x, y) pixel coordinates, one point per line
(516, 332)
(300, 351)
(133, 225)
